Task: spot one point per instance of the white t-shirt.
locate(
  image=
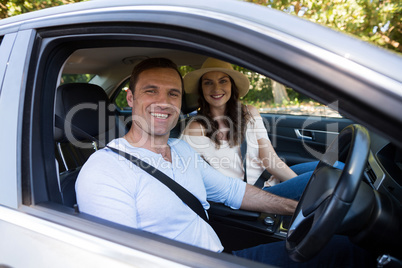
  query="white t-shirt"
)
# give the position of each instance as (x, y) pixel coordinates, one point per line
(226, 159)
(111, 187)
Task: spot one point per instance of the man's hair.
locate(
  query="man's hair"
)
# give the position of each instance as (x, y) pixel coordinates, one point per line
(151, 64)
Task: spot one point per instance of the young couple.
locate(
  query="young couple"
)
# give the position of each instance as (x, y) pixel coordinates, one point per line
(112, 188)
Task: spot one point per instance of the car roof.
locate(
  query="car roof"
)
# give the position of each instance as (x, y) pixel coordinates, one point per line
(361, 52)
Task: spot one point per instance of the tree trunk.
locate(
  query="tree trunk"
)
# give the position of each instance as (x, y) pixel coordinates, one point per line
(279, 92)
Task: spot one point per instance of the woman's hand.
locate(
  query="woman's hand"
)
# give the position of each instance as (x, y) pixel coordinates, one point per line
(272, 181)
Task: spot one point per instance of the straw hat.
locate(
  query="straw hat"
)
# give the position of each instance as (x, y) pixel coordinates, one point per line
(191, 80)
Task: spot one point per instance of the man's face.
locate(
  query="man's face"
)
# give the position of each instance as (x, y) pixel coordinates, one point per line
(156, 101)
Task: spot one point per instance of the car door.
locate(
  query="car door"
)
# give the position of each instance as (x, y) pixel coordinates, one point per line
(302, 138)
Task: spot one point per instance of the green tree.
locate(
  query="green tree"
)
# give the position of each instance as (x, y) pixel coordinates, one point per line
(16, 7)
(376, 21)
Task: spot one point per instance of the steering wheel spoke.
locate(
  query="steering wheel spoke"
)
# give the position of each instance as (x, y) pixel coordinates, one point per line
(299, 228)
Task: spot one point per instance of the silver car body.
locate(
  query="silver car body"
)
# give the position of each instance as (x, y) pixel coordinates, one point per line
(33, 235)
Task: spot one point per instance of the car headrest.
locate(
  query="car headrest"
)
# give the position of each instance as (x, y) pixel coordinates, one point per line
(86, 106)
(189, 103)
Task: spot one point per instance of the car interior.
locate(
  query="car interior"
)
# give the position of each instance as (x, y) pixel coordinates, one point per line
(86, 120)
(85, 117)
(87, 134)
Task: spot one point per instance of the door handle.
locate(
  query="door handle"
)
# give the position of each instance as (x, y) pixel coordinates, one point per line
(304, 134)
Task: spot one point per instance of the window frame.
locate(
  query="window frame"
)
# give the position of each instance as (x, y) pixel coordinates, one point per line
(6, 45)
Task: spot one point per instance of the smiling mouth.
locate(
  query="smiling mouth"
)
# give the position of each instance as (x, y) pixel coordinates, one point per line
(160, 116)
(217, 96)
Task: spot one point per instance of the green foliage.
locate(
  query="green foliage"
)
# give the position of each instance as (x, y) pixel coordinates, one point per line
(15, 7)
(75, 78)
(185, 69)
(260, 92)
(376, 21)
(121, 100)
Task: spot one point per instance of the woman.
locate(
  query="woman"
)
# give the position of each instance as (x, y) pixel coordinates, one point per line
(223, 123)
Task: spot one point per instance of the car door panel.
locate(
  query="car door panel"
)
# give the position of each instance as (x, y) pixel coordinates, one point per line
(34, 236)
(299, 139)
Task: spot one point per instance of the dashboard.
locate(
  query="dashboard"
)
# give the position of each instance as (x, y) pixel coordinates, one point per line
(384, 168)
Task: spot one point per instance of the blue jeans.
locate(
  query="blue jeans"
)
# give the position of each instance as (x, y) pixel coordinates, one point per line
(294, 187)
(339, 252)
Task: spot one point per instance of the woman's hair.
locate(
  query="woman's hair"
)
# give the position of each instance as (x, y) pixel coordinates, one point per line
(236, 117)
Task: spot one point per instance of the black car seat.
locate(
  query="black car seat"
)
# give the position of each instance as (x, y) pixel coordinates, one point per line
(81, 112)
(188, 109)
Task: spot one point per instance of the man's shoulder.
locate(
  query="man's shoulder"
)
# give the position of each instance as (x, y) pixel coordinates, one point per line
(180, 145)
(101, 158)
(173, 142)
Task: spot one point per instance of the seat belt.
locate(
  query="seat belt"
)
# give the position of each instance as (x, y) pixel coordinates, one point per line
(264, 175)
(186, 196)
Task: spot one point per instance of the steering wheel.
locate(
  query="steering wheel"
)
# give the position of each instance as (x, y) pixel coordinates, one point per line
(328, 195)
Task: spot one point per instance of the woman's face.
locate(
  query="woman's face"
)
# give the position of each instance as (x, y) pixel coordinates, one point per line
(217, 88)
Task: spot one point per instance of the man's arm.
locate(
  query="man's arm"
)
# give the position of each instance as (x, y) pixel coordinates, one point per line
(256, 199)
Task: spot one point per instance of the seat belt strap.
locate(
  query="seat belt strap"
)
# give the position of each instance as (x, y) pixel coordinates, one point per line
(264, 175)
(243, 151)
(187, 197)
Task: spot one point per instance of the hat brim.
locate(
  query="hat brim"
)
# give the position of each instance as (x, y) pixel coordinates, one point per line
(192, 79)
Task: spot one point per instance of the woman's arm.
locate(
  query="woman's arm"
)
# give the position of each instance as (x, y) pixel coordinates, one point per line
(193, 129)
(272, 163)
(269, 158)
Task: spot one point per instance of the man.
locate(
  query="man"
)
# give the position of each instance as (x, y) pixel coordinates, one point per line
(111, 187)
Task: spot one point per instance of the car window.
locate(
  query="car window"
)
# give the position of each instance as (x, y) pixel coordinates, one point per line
(76, 78)
(266, 94)
(120, 100)
(275, 98)
(270, 96)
